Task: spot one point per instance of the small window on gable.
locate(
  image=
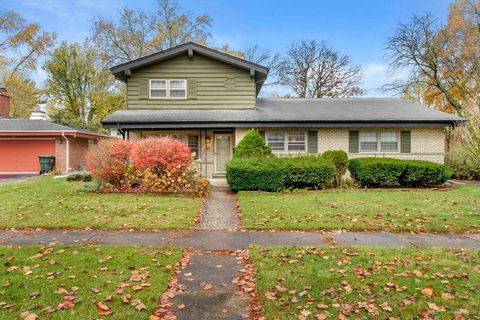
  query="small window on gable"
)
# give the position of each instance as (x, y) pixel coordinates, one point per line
(168, 89)
(177, 89)
(158, 89)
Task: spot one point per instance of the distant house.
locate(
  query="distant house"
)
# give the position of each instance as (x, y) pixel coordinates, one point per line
(22, 141)
(208, 99)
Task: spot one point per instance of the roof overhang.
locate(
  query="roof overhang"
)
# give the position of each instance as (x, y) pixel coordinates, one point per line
(123, 71)
(278, 124)
(26, 133)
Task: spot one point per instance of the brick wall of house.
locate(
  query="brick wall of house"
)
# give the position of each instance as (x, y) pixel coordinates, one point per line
(4, 105)
(60, 160)
(78, 149)
(426, 143)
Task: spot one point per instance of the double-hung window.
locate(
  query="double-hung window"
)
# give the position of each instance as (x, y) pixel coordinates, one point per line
(373, 141)
(368, 141)
(291, 141)
(296, 141)
(168, 89)
(276, 140)
(388, 141)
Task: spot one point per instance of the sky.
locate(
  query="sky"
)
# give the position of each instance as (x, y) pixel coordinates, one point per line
(356, 28)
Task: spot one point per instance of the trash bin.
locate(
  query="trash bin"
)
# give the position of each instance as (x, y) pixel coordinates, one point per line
(46, 163)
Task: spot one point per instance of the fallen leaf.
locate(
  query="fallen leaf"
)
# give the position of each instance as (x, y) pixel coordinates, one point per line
(428, 291)
(207, 286)
(103, 309)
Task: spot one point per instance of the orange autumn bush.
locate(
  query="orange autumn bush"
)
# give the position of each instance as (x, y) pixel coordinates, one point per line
(153, 165)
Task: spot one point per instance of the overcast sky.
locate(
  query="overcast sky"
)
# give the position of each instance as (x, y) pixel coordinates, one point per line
(354, 27)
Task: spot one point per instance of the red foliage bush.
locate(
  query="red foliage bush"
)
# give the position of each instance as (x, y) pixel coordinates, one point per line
(161, 155)
(109, 160)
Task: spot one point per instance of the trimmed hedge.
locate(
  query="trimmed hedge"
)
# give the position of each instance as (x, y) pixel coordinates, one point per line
(373, 172)
(307, 172)
(275, 174)
(252, 146)
(263, 174)
(424, 173)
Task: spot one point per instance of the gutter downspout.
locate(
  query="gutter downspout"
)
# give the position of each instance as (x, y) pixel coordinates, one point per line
(67, 158)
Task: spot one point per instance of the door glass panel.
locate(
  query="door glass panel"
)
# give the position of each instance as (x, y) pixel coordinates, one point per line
(223, 151)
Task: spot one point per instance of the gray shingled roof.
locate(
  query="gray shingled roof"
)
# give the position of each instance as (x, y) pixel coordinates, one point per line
(25, 125)
(275, 112)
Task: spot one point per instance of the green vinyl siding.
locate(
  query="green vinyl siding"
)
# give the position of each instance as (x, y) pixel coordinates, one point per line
(216, 84)
(312, 141)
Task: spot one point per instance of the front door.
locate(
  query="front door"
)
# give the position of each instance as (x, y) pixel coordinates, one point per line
(223, 150)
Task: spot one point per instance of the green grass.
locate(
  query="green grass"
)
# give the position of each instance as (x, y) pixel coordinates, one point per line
(44, 202)
(452, 210)
(35, 278)
(364, 283)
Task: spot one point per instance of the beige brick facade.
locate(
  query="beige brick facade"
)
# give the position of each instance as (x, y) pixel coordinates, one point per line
(426, 143)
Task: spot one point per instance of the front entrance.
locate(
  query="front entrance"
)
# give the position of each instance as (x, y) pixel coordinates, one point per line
(223, 150)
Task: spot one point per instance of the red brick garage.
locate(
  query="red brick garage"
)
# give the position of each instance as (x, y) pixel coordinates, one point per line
(21, 156)
(22, 141)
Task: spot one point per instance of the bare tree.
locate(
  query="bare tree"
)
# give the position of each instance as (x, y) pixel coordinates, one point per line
(315, 70)
(266, 58)
(428, 51)
(137, 33)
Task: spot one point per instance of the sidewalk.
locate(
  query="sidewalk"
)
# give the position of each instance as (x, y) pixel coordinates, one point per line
(236, 240)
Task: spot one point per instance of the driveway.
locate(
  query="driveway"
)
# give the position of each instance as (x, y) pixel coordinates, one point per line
(14, 177)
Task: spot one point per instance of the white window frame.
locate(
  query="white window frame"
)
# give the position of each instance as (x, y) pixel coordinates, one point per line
(167, 89)
(304, 142)
(286, 142)
(378, 137)
(396, 141)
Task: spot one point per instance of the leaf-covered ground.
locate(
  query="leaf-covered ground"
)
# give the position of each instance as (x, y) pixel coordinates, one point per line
(445, 210)
(75, 282)
(367, 283)
(44, 202)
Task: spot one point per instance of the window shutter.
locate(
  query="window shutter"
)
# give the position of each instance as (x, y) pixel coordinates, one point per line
(405, 142)
(353, 141)
(262, 133)
(143, 88)
(192, 88)
(312, 141)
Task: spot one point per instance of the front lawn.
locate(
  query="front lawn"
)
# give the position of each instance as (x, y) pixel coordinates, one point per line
(75, 282)
(367, 283)
(445, 210)
(44, 202)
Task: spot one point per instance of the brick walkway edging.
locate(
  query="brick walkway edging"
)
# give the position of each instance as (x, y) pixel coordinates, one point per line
(237, 240)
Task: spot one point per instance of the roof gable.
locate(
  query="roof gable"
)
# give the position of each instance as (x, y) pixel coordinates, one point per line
(122, 71)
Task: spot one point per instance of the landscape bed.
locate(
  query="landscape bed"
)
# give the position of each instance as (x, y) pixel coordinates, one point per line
(367, 283)
(44, 202)
(72, 282)
(426, 210)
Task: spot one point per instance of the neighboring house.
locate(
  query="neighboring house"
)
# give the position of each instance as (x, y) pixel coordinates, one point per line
(22, 141)
(208, 100)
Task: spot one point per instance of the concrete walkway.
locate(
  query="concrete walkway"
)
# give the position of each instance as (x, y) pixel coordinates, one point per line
(236, 240)
(220, 212)
(207, 291)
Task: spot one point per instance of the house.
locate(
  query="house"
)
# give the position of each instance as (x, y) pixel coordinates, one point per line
(22, 141)
(208, 99)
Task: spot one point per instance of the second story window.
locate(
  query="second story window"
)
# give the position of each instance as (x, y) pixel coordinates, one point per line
(168, 89)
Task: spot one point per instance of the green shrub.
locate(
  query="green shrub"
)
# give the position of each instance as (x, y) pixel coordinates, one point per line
(373, 172)
(339, 158)
(275, 174)
(262, 174)
(252, 146)
(465, 166)
(80, 176)
(307, 172)
(424, 173)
